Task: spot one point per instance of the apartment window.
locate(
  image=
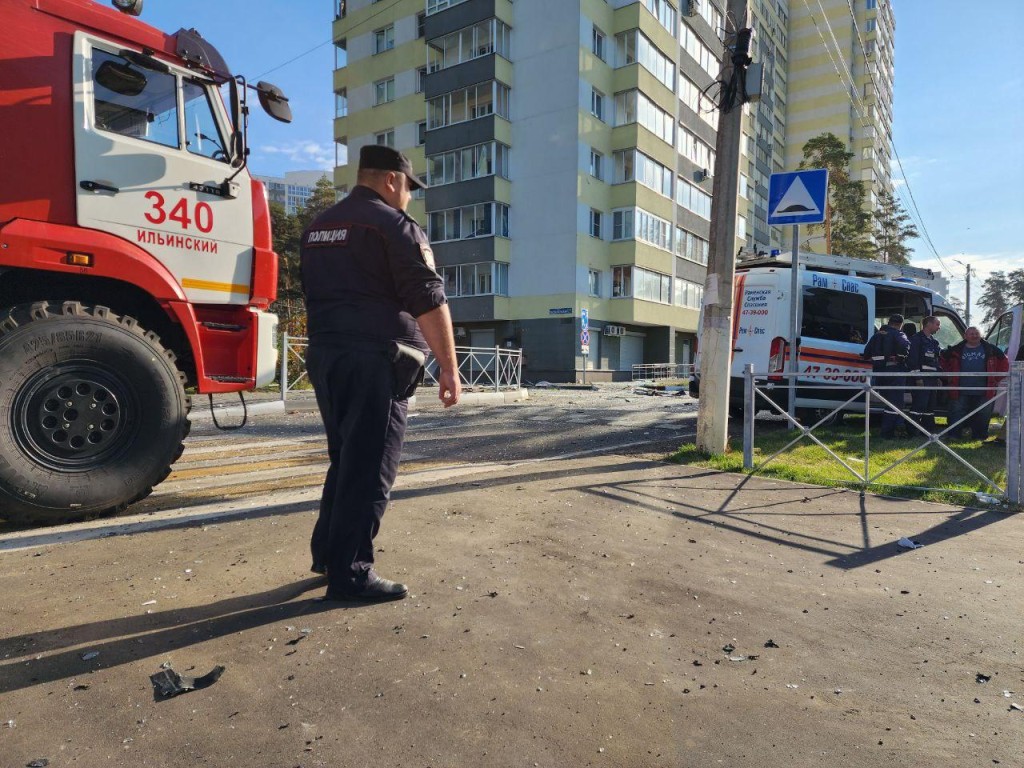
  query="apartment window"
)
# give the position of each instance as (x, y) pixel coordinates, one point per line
(696, 200)
(594, 283)
(481, 39)
(638, 283)
(694, 98)
(741, 227)
(384, 39)
(340, 54)
(871, 4)
(691, 247)
(633, 165)
(633, 46)
(386, 138)
(339, 9)
(664, 12)
(597, 104)
(871, 24)
(634, 107)
(481, 220)
(466, 163)
(597, 41)
(700, 153)
(384, 91)
(421, 133)
(435, 6)
(421, 25)
(596, 165)
(636, 223)
(687, 294)
(595, 223)
(468, 104)
(341, 103)
(714, 17)
(479, 279)
(622, 224)
(421, 74)
(703, 55)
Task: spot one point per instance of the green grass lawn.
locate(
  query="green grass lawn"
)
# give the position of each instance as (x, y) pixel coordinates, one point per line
(807, 462)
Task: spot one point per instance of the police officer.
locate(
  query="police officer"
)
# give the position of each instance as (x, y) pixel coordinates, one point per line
(887, 351)
(375, 304)
(924, 357)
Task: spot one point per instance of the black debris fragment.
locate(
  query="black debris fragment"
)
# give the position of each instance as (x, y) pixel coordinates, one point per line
(729, 648)
(771, 644)
(42, 762)
(981, 677)
(168, 683)
(296, 641)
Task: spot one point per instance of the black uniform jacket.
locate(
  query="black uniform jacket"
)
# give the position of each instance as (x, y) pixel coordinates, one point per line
(367, 273)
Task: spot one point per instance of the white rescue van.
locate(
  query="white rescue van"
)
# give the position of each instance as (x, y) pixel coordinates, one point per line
(843, 302)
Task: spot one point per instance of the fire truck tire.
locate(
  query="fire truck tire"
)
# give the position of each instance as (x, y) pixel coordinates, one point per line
(93, 412)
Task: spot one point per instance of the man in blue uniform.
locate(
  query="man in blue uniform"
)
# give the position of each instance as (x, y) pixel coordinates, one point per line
(924, 357)
(887, 351)
(375, 304)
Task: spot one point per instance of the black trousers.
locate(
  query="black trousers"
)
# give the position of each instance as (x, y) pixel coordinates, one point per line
(923, 403)
(365, 429)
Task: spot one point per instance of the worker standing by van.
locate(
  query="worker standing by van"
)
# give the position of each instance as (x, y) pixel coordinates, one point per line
(924, 358)
(887, 350)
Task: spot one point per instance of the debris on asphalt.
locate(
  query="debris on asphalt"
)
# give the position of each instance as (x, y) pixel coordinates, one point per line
(42, 762)
(90, 655)
(11, 724)
(81, 687)
(150, 602)
(297, 640)
(728, 648)
(168, 683)
(1017, 707)
(985, 498)
(906, 543)
(981, 677)
(771, 644)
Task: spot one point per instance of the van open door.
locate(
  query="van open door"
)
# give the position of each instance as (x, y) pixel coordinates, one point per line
(1006, 334)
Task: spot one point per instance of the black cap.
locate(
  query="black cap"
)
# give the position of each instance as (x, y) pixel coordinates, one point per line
(380, 158)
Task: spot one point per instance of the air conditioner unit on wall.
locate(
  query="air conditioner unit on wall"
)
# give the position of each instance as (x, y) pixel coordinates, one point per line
(692, 7)
(615, 330)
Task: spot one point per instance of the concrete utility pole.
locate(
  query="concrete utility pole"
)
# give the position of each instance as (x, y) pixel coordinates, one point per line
(716, 334)
(967, 304)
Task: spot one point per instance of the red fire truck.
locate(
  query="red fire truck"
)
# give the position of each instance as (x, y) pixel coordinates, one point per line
(136, 261)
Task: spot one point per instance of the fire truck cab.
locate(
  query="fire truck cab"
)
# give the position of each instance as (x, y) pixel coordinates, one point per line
(136, 259)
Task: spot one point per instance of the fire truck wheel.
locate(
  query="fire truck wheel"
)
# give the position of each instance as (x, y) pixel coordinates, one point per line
(93, 412)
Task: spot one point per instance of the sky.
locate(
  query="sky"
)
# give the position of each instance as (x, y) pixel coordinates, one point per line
(958, 115)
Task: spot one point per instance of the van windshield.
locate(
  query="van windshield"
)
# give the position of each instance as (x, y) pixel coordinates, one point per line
(913, 305)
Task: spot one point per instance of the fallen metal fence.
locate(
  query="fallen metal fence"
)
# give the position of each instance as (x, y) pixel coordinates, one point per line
(868, 393)
(480, 368)
(655, 371)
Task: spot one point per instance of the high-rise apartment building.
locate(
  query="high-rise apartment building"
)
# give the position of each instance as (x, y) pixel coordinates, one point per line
(293, 189)
(570, 149)
(841, 68)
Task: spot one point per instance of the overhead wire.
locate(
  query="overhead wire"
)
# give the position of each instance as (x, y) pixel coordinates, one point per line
(329, 42)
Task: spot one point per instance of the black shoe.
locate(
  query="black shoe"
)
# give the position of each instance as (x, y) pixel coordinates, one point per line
(375, 590)
(318, 568)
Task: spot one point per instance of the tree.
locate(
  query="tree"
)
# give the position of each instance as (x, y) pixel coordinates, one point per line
(847, 224)
(893, 228)
(1015, 290)
(957, 304)
(323, 197)
(995, 296)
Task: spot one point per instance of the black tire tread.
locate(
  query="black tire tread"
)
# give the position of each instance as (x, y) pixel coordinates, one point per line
(17, 316)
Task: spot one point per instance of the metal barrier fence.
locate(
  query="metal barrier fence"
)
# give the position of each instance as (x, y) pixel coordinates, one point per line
(869, 395)
(488, 368)
(655, 371)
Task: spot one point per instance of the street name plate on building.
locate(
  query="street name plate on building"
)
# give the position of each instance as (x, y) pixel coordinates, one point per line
(560, 311)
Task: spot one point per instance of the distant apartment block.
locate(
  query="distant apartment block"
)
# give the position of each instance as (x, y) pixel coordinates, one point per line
(293, 189)
(570, 151)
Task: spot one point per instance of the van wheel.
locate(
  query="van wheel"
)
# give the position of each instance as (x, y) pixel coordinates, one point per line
(94, 412)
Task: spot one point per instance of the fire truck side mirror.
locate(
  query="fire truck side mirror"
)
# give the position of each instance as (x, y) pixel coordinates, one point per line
(274, 102)
(236, 145)
(131, 7)
(121, 78)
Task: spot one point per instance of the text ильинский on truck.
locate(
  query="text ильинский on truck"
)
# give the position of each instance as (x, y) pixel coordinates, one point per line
(843, 302)
(135, 251)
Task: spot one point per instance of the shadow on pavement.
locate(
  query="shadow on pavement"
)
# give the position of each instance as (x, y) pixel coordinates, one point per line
(118, 642)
